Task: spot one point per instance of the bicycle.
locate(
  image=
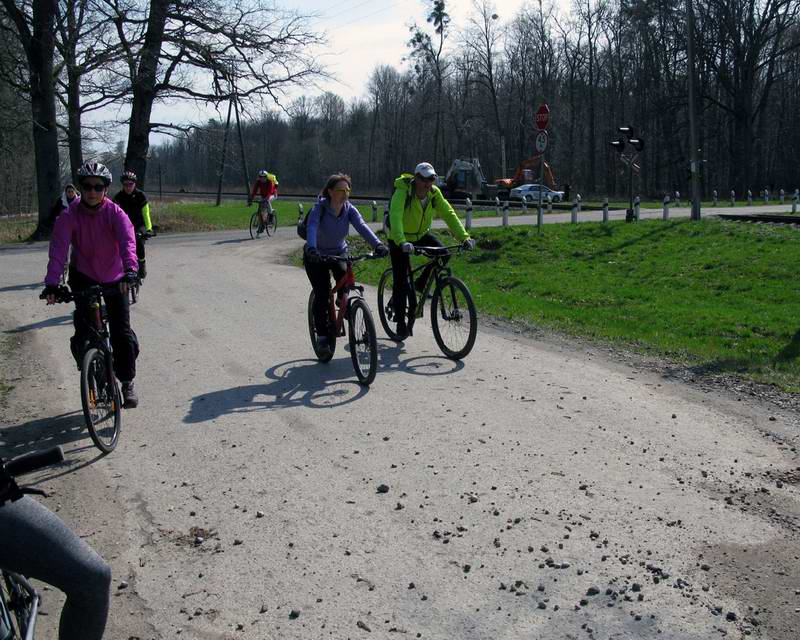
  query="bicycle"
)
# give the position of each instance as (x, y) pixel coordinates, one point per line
(452, 304)
(100, 393)
(360, 325)
(257, 227)
(19, 601)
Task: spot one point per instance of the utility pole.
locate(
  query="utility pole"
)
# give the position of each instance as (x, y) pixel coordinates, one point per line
(694, 164)
(245, 172)
(224, 151)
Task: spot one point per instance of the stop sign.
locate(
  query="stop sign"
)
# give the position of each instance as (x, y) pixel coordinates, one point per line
(542, 117)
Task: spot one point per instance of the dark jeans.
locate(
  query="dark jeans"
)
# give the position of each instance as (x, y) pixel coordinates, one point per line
(402, 296)
(123, 339)
(319, 274)
(140, 254)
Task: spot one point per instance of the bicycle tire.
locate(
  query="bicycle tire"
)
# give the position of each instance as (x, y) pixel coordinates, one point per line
(385, 306)
(322, 355)
(362, 337)
(20, 605)
(450, 320)
(255, 219)
(101, 400)
(272, 224)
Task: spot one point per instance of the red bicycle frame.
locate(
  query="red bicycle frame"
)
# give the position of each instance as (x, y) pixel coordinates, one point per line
(338, 298)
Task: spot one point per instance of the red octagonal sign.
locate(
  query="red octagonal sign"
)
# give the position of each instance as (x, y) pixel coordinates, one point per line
(542, 117)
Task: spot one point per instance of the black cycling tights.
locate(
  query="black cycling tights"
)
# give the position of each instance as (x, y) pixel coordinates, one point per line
(35, 542)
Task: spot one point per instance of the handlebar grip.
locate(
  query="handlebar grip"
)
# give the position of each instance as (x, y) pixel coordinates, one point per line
(33, 461)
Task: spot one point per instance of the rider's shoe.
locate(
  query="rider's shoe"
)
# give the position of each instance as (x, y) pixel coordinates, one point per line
(324, 345)
(401, 331)
(129, 397)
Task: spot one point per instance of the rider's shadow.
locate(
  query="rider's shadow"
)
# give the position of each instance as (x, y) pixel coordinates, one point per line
(296, 383)
(56, 321)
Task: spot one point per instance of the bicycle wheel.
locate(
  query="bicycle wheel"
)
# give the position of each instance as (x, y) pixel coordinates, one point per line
(323, 355)
(272, 223)
(102, 405)
(19, 607)
(255, 221)
(454, 318)
(363, 342)
(386, 305)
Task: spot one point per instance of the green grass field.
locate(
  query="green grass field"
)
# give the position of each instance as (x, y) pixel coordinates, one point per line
(722, 296)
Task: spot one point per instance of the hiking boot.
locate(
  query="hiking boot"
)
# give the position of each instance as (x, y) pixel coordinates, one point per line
(129, 398)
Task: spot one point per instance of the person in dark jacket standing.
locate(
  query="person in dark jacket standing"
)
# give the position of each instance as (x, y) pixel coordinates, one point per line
(64, 200)
(133, 201)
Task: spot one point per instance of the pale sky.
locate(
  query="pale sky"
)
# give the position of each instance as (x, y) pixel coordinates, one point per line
(361, 34)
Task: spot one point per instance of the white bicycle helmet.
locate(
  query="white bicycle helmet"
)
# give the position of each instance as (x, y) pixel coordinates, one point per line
(95, 170)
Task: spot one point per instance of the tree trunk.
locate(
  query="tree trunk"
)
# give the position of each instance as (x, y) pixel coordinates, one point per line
(74, 131)
(144, 91)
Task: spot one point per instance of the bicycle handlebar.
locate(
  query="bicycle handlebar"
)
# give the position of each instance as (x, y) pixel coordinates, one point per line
(33, 461)
(349, 258)
(433, 252)
(65, 295)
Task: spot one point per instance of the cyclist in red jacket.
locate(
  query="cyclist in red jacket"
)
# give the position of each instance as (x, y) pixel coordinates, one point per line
(266, 186)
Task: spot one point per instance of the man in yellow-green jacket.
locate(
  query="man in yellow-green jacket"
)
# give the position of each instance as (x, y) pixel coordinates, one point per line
(414, 203)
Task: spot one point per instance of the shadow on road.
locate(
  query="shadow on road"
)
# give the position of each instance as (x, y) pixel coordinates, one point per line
(233, 241)
(44, 433)
(389, 359)
(297, 383)
(42, 324)
(22, 287)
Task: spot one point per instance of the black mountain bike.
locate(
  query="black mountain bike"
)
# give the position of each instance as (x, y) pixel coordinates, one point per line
(453, 316)
(100, 393)
(257, 226)
(360, 326)
(19, 601)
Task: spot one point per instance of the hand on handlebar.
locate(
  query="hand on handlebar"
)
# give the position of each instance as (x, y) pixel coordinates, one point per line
(468, 244)
(130, 279)
(52, 293)
(312, 255)
(381, 250)
(407, 247)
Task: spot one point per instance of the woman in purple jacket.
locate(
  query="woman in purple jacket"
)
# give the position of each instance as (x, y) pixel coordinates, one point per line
(104, 252)
(328, 225)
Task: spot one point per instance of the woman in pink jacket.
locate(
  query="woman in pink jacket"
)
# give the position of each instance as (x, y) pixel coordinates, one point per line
(104, 252)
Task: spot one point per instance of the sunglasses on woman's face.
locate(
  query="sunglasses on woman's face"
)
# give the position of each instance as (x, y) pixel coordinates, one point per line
(342, 190)
(93, 186)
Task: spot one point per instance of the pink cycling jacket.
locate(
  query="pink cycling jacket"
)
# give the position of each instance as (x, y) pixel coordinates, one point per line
(103, 239)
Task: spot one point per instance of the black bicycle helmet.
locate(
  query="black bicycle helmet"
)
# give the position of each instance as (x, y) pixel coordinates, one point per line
(95, 170)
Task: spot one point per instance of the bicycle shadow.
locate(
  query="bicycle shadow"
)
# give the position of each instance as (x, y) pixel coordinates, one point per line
(43, 433)
(389, 359)
(295, 383)
(56, 321)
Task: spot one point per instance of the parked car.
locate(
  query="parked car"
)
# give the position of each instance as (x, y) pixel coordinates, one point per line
(530, 193)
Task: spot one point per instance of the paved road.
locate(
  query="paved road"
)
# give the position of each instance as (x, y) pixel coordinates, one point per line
(521, 480)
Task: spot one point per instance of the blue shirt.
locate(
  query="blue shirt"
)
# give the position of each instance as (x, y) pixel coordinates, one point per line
(327, 232)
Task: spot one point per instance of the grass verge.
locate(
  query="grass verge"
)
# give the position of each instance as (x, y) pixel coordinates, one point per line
(721, 297)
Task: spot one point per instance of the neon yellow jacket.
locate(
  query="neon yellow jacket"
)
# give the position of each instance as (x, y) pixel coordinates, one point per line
(407, 220)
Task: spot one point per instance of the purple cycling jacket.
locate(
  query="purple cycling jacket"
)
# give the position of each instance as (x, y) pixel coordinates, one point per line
(103, 240)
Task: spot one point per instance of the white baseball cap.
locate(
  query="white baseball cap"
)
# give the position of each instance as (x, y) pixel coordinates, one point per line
(425, 169)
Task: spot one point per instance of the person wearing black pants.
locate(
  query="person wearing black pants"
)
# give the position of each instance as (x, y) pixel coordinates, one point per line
(404, 300)
(123, 339)
(319, 274)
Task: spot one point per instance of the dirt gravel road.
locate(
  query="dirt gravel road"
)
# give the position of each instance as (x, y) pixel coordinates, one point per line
(534, 490)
